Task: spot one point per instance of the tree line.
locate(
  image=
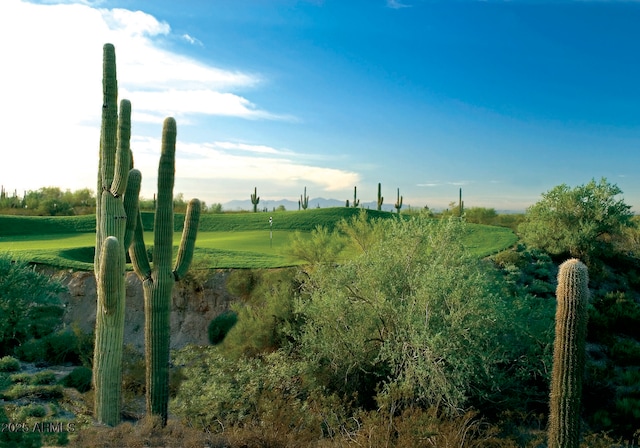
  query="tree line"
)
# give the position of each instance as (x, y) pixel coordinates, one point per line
(53, 201)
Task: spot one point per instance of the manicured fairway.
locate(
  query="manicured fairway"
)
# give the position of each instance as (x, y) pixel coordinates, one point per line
(223, 241)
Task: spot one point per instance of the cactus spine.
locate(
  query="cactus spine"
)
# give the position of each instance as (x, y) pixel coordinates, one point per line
(158, 281)
(118, 188)
(398, 204)
(255, 199)
(380, 198)
(568, 354)
(304, 200)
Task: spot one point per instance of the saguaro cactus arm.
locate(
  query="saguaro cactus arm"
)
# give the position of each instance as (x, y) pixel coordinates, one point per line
(188, 240)
(568, 354)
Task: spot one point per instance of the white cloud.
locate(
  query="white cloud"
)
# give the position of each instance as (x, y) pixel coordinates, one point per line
(218, 162)
(51, 91)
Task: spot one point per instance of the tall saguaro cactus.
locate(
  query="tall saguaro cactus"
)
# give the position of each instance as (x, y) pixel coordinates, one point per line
(255, 199)
(304, 200)
(380, 198)
(118, 188)
(398, 204)
(356, 201)
(158, 281)
(568, 354)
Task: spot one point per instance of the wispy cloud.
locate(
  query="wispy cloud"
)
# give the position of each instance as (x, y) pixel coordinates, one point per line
(396, 4)
(192, 40)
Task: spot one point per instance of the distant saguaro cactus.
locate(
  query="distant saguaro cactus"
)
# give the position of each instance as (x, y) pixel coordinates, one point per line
(398, 204)
(158, 282)
(356, 201)
(380, 198)
(255, 199)
(568, 354)
(304, 200)
(118, 188)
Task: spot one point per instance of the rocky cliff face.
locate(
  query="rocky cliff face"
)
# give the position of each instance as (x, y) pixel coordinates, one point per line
(195, 301)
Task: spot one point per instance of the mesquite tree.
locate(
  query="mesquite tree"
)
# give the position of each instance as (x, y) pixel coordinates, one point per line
(158, 281)
(118, 188)
(568, 354)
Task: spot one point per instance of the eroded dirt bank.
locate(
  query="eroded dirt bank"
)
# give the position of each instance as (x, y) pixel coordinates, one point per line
(193, 304)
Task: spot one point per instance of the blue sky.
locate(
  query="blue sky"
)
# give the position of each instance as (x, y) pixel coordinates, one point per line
(502, 99)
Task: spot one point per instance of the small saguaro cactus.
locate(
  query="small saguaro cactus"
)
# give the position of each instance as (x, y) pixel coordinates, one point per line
(304, 200)
(398, 204)
(568, 354)
(158, 282)
(380, 198)
(118, 188)
(356, 201)
(255, 199)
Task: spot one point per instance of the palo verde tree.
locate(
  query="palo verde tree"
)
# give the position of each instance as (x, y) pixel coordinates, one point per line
(118, 188)
(580, 222)
(158, 281)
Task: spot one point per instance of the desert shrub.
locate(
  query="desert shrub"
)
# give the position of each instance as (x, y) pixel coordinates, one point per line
(265, 316)
(31, 410)
(417, 320)
(79, 378)
(611, 313)
(43, 377)
(42, 392)
(22, 439)
(626, 352)
(220, 326)
(55, 348)
(271, 389)
(9, 364)
(318, 246)
(29, 306)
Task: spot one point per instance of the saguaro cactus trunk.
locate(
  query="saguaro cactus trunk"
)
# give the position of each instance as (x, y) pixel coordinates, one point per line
(568, 354)
(158, 281)
(118, 189)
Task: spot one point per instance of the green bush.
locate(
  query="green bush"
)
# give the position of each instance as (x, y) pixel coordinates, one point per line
(31, 410)
(220, 326)
(56, 348)
(79, 378)
(43, 392)
(9, 364)
(29, 306)
(418, 320)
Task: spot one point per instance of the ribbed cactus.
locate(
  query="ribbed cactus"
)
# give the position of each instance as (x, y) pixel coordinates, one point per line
(568, 354)
(356, 201)
(118, 188)
(255, 199)
(380, 198)
(158, 281)
(304, 200)
(398, 204)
